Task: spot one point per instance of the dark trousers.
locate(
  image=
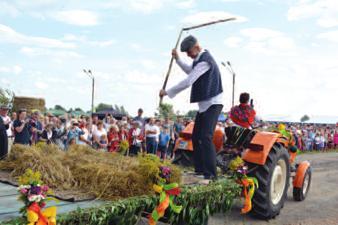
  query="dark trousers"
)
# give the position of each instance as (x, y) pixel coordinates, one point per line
(134, 149)
(204, 148)
(151, 145)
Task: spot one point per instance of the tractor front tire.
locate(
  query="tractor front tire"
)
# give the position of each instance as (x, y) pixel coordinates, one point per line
(299, 194)
(273, 180)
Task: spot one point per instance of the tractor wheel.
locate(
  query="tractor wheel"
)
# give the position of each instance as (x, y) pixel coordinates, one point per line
(183, 158)
(273, 180)
(299, 194)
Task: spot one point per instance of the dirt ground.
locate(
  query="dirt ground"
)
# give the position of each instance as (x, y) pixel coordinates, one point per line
(319, 208)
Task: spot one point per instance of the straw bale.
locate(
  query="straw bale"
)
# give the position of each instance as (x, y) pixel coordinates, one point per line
(29, 103)
(104, 175)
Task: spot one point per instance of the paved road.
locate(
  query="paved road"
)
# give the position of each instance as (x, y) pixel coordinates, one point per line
(319, 208)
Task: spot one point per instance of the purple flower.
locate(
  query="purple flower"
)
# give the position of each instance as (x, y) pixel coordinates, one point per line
(35, 190)
(165, 172)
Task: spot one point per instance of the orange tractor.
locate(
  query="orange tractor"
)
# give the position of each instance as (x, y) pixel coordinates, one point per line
(269, 158)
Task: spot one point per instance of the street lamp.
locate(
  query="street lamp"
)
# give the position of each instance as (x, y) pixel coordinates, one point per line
(90, 75)
(229, 68)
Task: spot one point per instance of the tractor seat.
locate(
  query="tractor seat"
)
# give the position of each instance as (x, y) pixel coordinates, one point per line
(238, 137)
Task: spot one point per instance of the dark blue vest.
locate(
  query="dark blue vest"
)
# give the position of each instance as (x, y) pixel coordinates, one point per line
(209, 84)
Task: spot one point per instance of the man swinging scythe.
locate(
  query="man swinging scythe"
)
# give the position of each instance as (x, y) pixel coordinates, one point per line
(205, 78)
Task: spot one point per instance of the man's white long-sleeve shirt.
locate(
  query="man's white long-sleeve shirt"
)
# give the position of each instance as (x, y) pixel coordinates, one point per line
(193, 75)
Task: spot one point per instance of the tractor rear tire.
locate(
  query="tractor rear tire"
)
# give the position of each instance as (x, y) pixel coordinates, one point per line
(273, 180)
(299, 194)
(183, 158)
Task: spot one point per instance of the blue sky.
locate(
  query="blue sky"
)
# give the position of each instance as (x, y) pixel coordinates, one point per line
(284, 52)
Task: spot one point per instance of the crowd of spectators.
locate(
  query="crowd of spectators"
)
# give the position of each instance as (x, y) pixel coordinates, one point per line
(151, 135)
(309, 137)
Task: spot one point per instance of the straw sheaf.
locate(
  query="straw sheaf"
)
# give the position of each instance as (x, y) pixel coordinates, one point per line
(104, 175)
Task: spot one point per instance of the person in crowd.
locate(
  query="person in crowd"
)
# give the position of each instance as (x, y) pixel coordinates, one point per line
(335, 139)
(61, 133)
(85, 138)
(49, 134)
(113, 138)
(103, 142)
(307, 141)
(321, 141)
(317, 142)
(4, 126)
(74, 133)
(163, 143)
(36, 125)
(22, 128)
(123, 131)
(152, 131)
(139, 116)
(135, 138)
(178, 127)
(97, 133)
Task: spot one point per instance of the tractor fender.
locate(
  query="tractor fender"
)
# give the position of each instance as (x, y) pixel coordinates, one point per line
(264, 139)
(184, 144)
(300, 174)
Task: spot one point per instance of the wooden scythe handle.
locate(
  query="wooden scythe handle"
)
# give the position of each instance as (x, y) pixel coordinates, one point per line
(170, 66)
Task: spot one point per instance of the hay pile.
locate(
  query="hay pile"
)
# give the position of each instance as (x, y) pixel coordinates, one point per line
(104, 175)
(29, 104)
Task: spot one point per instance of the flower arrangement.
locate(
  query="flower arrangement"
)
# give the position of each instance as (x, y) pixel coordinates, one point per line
(249, 184)
(167, 192)
(33, 193)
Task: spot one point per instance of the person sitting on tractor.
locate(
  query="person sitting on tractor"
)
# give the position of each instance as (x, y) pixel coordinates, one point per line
(243, 115)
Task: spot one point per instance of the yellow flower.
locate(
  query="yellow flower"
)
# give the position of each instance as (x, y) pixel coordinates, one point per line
(235, 163)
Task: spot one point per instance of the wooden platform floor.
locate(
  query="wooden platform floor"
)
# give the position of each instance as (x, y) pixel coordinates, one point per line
(9, 205)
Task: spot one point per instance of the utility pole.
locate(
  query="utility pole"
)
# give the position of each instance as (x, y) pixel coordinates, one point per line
(90, 75)
(229, 68)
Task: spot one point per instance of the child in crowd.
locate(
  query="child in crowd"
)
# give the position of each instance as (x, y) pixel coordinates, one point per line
(135, 138)
(163, 143)
(103, 142)
(113, 139)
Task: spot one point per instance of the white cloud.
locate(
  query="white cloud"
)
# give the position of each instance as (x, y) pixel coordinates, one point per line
(61, 54)
(330, 36)
(263, 40)
(325, 12)
(186, 4)
(207, 16)
(9, 35)
(83, 39)
(138, 47)
(148, 64)
(41, 85)
(13, 69)
(8, 9)
(77, 17)
(260, 34)
(102, 44)
(233, 42)
(145, 6)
